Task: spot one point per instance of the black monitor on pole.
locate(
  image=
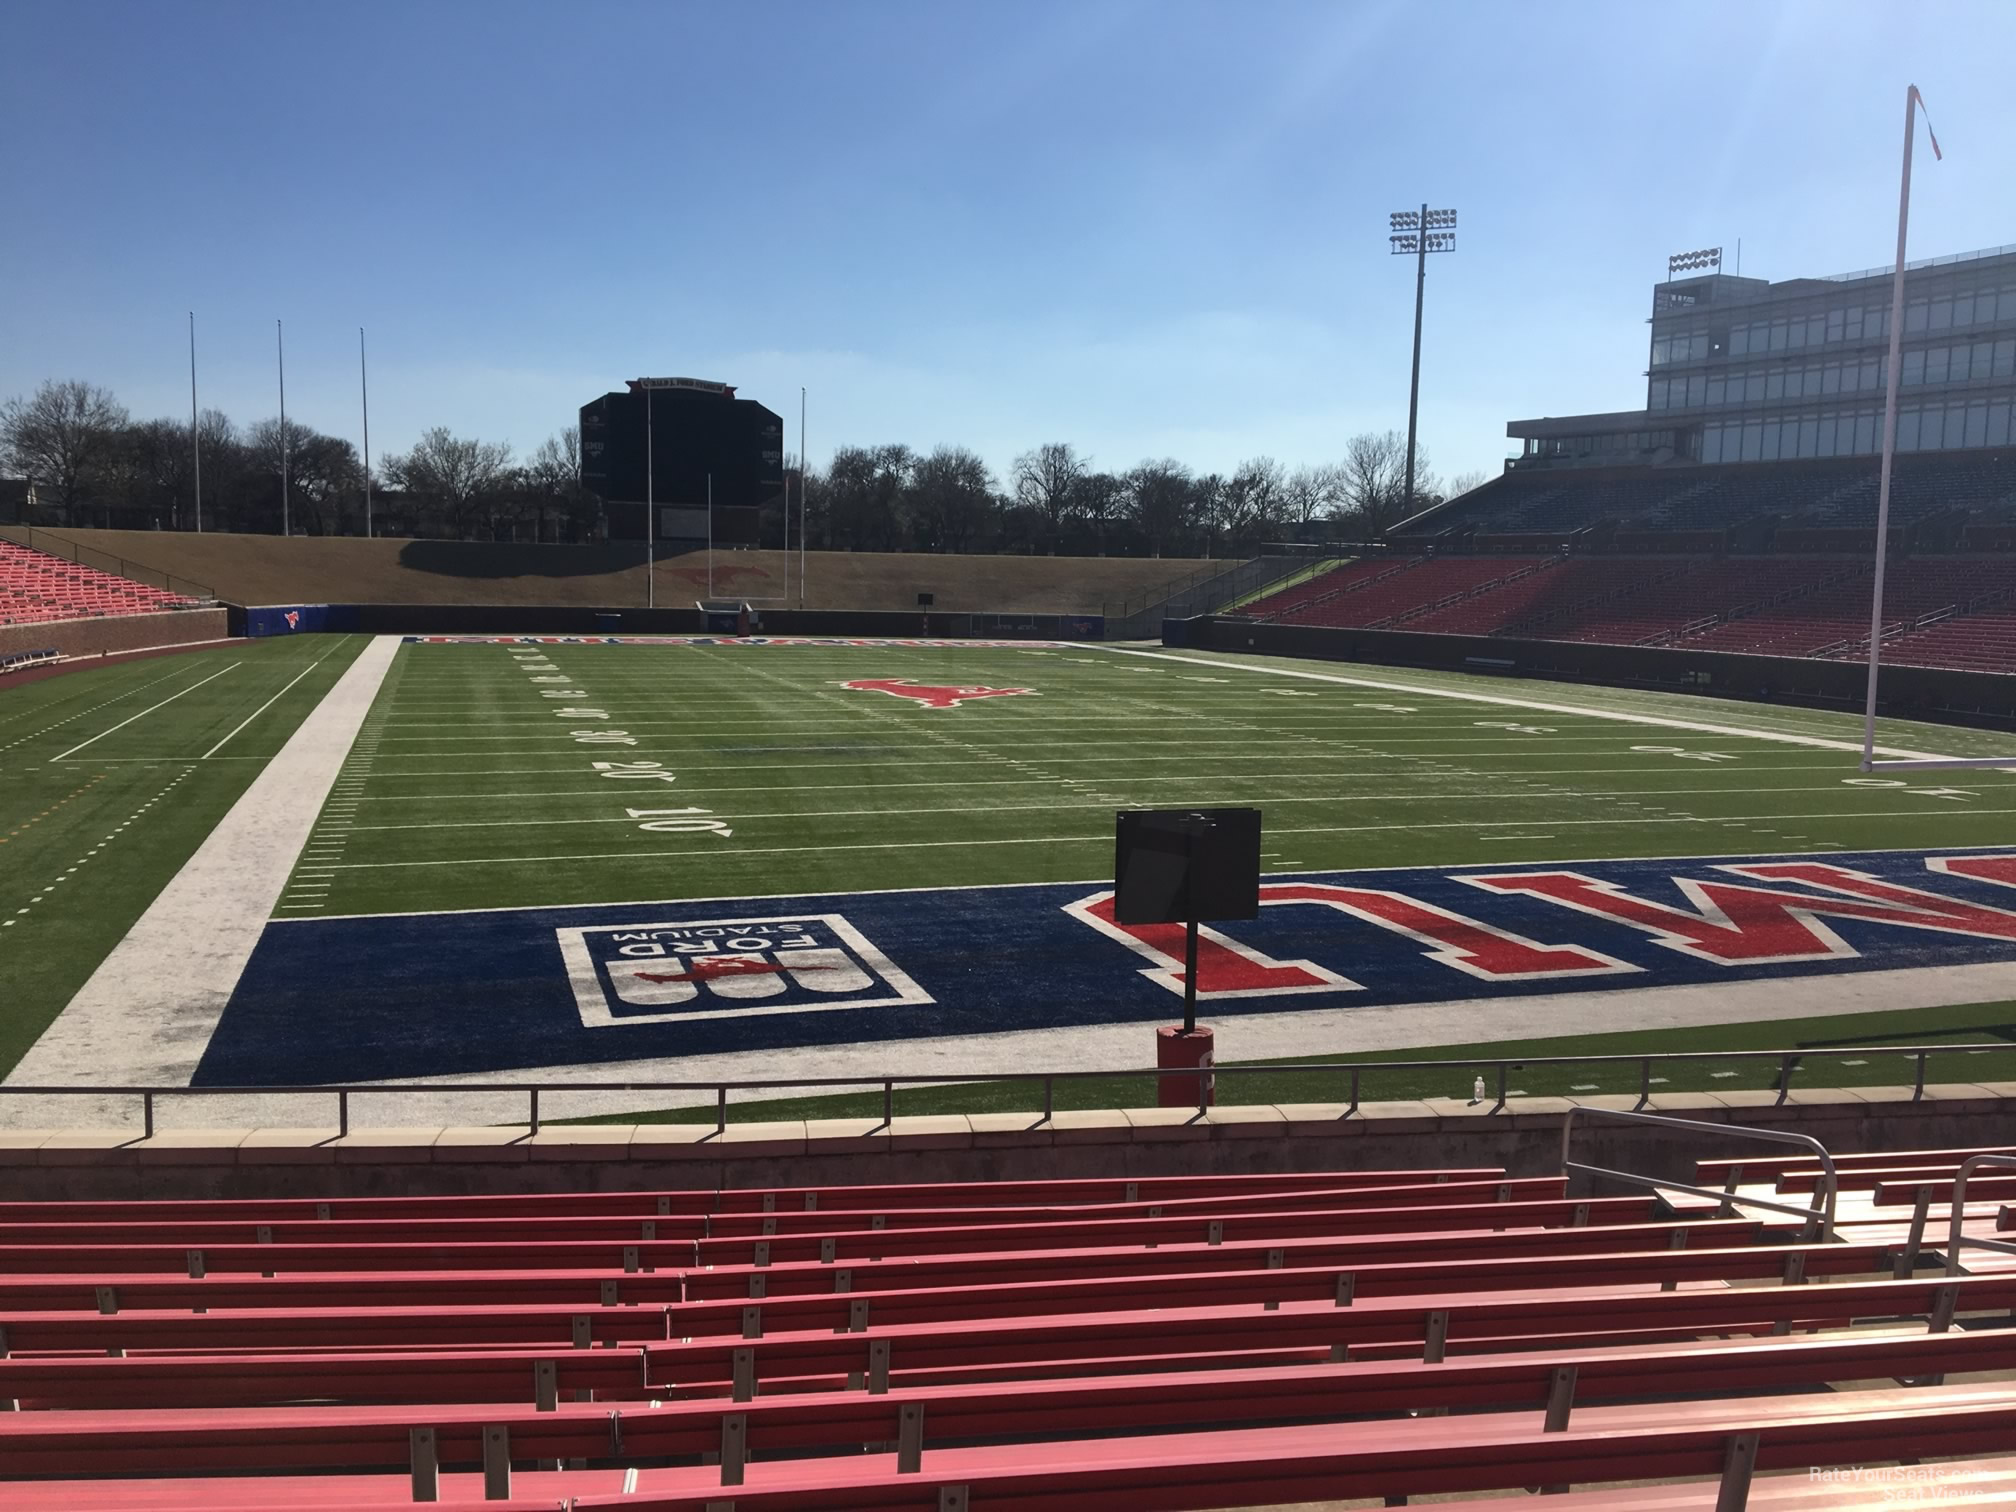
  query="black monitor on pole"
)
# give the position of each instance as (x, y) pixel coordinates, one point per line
(1186, 866)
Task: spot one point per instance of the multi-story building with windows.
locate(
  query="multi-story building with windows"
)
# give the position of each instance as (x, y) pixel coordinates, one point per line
(1745, 370)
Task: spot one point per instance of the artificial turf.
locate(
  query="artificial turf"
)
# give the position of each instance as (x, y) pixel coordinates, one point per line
(477, 790)
(521, 774)
(110, 778)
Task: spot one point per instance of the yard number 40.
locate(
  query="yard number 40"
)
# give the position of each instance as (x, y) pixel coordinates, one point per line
(679, 821)
(640, 771)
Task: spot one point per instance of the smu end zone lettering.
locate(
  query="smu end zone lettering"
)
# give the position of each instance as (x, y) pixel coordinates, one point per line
(1732, 922)
(1728, 923)
(1227, 969)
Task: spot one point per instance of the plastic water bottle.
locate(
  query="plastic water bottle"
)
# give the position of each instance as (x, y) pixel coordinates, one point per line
(1477, 1091)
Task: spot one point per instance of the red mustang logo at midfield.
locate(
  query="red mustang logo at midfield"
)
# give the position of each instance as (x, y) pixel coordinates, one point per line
(930, 697)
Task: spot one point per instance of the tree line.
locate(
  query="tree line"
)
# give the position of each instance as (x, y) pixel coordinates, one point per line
(91, 463)
(1055, 499)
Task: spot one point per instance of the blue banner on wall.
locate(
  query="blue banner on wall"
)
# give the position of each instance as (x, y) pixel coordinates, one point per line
(299, 619)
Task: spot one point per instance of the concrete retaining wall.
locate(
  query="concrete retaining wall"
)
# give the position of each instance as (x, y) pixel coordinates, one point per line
(125, 632)
(1526, 1141)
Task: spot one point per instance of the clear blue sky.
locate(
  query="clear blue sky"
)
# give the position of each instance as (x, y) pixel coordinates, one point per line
(1146, 227)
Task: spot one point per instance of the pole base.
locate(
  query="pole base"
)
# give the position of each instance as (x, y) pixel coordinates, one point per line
(1185, 1054)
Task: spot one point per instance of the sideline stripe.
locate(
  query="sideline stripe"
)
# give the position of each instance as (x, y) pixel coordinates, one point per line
(277, 696)
(148, 1012)
(1416, 691)
(146, 711)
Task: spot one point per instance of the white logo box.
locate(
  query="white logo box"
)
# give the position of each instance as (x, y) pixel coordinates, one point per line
(727, 968)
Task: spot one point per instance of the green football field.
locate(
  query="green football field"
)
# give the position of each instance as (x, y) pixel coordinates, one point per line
(732, 770)
(517, 773)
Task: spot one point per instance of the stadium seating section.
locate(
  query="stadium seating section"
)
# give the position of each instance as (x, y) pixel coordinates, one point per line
(36, 587)
(1164, 1342)
(1771, 560)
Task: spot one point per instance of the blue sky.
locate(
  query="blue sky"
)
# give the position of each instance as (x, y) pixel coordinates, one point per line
(1146, 227)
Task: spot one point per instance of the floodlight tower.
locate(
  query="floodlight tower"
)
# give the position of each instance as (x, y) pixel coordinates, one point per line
(1417, 233)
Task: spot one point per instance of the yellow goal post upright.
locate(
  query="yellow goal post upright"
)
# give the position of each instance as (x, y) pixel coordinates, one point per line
(1914, 107)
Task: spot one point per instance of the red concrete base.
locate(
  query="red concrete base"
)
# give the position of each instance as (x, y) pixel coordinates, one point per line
(1176, 1050)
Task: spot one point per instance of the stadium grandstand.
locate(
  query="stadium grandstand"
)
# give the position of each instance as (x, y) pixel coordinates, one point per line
(37, 588)
(1758, 1336)
(1737, 510)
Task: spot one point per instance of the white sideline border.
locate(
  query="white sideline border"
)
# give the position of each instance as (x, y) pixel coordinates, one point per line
(1415, 690)
(147, 1013)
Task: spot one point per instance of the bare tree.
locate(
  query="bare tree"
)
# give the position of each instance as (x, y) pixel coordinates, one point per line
(950, 500)
(1045, 480)
(462, 475)
(1462, 483)
(1375, 481)
(1251, 499)
(552, 477)
(323, 474)
(864, 491)
(1312, 492)
(60, 436)
(1158, 502)
(1097, 501)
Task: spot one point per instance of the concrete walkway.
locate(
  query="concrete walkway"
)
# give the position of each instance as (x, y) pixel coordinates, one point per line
(147, 1013)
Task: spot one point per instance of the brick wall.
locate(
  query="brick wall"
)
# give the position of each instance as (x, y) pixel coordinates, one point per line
(126, 632)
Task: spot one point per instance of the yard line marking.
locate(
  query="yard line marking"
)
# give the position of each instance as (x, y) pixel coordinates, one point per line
(1106, 838)
(276, 697)
(1649, 767)
(778, 850)
(1700, 727)
(1567, 796)
(657, 900)
(146, 711)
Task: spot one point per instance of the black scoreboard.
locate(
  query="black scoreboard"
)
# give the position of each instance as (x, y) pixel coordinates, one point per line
(697, 430)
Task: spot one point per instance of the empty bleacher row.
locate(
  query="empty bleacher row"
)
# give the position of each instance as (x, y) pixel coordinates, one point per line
(1947, 610)
(1981, 486)
(37, 588)
(1162, 1342)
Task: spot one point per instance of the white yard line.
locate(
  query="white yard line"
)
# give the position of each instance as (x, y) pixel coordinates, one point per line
(1415, 690)
(148, 1011)
(1569, 795)
(1106, 838)
(146, 711)
(276, 697)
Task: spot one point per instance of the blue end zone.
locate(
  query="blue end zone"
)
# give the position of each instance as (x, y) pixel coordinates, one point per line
(440, 994)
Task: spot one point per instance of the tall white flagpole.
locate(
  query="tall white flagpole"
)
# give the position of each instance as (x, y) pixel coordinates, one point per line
(1914, 105)
(804, 525)
(650, 514)
(280, 346)
(364, 392)
(710, 535)
(195, 436)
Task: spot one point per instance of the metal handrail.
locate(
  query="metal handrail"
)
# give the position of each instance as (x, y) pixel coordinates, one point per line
(1819, 1218)
(1955, 1238)
(1351, 1072)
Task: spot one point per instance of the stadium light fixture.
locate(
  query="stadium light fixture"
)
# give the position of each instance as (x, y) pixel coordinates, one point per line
(1688, 262)
(1416, 233)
